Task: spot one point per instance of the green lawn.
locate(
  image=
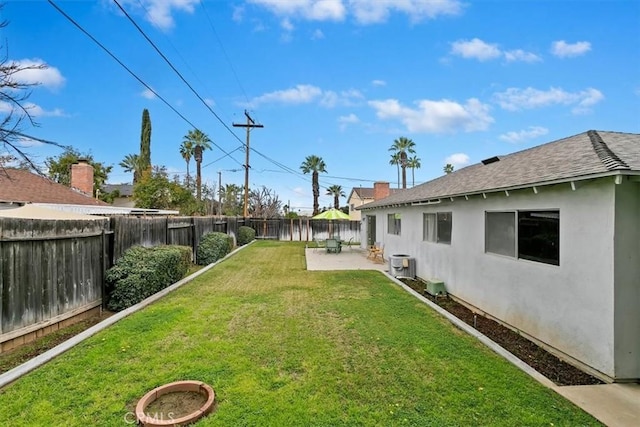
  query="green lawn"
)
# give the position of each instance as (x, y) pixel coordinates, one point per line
(283, 346)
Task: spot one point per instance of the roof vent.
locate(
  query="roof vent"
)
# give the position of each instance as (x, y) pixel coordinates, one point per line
(491, 160)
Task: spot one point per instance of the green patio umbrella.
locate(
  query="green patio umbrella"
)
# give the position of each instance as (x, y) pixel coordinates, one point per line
(332, 214)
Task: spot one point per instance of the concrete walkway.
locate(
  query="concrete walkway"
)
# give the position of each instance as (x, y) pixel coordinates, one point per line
(615, 405)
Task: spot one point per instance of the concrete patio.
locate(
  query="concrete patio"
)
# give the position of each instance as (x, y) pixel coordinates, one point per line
(350, 258)
(615, 405)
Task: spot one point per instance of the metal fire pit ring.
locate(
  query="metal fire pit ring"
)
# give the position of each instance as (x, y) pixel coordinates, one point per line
(178, 386)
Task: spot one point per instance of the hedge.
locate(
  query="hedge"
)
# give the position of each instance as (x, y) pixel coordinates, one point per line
(212, 247)
(245, 235)
(142, 272)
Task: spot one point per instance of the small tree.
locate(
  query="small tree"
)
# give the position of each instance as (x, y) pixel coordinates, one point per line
(413, 163)
(59, 168)
(132, 163)
(314, 165)
(200, 142)
(264, 203)
(403, 147)
(145, 142)
(336, 192)
(448, 168)
(156, 191)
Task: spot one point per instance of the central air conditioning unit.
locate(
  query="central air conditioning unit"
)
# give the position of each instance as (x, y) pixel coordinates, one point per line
(401, 265)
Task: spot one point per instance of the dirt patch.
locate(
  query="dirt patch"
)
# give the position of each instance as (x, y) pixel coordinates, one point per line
(17, 356)
(558, 371)
(175, 405)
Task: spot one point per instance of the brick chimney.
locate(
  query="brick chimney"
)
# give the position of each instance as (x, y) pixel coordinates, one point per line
(380, 190)
(82, 177)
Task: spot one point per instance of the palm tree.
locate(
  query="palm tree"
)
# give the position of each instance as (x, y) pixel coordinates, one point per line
(413, 163)
(315, 165)
(448, 168)
(403, 146)
(336, 192)
(131, 163)
(186, 151)
(395, 160)
(200, 142)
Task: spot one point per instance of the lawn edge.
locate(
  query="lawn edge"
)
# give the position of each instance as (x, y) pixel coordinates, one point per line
(495, 347)
(14, 374)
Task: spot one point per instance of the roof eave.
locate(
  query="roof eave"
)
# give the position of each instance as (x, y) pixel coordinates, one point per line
(438, 199)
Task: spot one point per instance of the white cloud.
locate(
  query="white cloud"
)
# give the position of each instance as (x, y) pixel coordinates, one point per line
(483, 51)
(521, 55)
(305, 94)
(33, 109)
(147, 93)
(301, 94)
(563, 49)
(377, 11)
(475, 48)
(379, 83)
(364, 11)
(287, 25)
(436, 116)
(457, 160)
(160, 12)
(588, 98)
(210, 102)
(348, 120)
(313, 10)
(317, 35)
(238, 13)
(524, 135)
(49, 77)
(514, 99)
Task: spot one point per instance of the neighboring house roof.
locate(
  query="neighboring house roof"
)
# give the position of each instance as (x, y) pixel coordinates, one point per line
(367, 192)
(19, 185)
(586, 155)
(125, 190)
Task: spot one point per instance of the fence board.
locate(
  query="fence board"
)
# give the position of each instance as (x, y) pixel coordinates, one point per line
(52, 267)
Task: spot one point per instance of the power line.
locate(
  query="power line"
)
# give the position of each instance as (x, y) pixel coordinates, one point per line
(181, 77)
(115, 58)
(224, 52)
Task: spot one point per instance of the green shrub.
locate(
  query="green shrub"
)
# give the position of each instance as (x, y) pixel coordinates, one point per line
(141, 272)
(245, 235)
(212, 247)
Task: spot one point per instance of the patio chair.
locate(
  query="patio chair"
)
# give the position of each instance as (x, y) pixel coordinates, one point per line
(333, 245)
(376, 252)
(319, 243)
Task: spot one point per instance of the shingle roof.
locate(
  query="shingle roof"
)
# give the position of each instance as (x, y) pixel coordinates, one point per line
(19, 185)
(579, 156)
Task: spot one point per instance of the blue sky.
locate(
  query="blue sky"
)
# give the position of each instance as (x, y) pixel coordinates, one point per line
(340, 79)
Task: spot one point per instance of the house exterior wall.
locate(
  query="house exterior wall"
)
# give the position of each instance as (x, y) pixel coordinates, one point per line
(354, 202)
(569, 307)
(627, 279)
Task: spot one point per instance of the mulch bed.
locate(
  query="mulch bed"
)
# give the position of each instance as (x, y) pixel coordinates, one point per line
(556, 370)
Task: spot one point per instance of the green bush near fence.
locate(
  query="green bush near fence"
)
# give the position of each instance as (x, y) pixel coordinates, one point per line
(212, 247)
(245, 235)
(141, 272)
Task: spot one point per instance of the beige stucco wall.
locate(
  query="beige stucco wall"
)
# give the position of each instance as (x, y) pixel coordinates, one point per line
(354, 202)
(569, 307)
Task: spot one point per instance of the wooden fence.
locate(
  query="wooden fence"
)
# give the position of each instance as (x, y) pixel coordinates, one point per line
(48, 269)
(52, 270)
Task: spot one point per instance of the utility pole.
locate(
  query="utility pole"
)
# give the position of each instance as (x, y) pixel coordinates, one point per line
(249, 125)
(220, 194)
